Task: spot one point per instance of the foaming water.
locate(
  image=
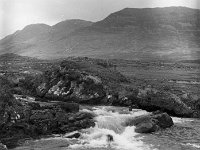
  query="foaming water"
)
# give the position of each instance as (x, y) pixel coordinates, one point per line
(181, 120)
(194, 145)
(184, 135)
(184, 82)
(110, 121)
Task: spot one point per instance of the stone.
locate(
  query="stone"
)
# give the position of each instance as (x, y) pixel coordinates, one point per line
(163, 120)
(3, 147)
(74, 135)
(151, 99)
(68, 107)
(71, 85)
(146, 127)
(40, 115)
(150, 123)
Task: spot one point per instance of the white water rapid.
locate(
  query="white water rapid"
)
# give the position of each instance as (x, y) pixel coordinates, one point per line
(110, 121)
(184, 135)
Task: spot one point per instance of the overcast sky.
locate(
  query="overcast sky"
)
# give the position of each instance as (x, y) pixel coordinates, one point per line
(16, 14)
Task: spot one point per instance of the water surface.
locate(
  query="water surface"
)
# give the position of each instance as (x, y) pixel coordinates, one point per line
(184, 135)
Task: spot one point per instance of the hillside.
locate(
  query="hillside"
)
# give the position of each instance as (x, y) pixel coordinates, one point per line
(169, 34)
(151, 33)
(40, 40)
(10, 57)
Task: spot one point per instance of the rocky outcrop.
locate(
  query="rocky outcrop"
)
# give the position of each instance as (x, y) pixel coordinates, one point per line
(51, 121)
(72, 85)
(3, 147)
(57, 94)
(152, 99)
(24, 119)
(150, 123)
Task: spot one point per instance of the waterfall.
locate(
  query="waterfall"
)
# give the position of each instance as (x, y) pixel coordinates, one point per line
(111, 121)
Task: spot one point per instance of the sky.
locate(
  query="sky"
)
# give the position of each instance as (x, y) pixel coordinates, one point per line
(16, 14)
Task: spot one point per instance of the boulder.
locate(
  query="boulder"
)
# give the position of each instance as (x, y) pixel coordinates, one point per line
(74, 135)
(68, 107)
(151, 99)
(34, 105)
(42, 89)
(68, 85)
(163, 120)
(146, 127)
(77, 121)
(150, 123)
(3, 147)
(24, 119)
(40, 115)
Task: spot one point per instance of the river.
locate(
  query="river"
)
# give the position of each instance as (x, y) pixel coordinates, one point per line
(184, 135)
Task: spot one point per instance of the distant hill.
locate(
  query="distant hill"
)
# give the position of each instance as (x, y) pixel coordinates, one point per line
(40, 40)
(10, 57)
(171, 34)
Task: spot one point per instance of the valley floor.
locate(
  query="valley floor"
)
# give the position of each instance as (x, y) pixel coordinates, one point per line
(179, 77)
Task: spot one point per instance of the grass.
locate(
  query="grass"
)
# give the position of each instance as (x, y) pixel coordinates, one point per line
(159, 75)
(116, 72)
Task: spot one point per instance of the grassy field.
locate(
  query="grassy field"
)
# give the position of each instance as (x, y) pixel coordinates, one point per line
(177, 77)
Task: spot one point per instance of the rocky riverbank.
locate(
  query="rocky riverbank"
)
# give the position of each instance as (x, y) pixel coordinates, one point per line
(22, 119)
(152, 99)
(57, 93)
(151, 122)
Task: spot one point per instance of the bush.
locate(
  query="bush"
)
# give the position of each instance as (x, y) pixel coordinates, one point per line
(6, 96)
(69, 65)
(29, 84)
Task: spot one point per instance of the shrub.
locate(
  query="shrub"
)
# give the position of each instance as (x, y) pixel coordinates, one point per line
(29, 84)
(5, 93)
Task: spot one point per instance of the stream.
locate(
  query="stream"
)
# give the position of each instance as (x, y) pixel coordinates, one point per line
(184, 135)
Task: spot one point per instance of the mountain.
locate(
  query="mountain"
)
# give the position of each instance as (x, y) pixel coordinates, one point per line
(171, 33)
(10, 57)
(40, 40)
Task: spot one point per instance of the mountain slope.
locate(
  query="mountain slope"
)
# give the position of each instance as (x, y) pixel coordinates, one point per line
(40, 40)
(152, 33)
(171, 33)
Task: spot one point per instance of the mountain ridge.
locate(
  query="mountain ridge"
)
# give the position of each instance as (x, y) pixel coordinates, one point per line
(169, 33)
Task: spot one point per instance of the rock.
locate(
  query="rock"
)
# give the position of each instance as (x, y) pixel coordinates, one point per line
(39, 99)
(71, 85)
(62, 117)
(146, 127)
(68, 107)
(21, 119)
(163, 120)
(3, 147)
(77, 121)
(42, 89)
(151, 99)
(124, 101)
(39, 115)
(74, 135)
(131, 107)
(34, 105)
(150, 123)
